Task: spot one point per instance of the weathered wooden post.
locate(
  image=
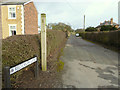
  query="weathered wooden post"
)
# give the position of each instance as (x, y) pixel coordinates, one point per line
(43, 42)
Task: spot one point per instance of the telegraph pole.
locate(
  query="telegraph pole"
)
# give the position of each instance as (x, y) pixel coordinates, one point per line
(84, 24)
(43, 42)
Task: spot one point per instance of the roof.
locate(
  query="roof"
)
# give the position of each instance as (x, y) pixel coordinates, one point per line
(107, 23)
(13, 2)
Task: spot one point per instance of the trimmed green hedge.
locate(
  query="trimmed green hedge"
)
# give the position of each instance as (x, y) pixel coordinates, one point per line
(19, 48)
(107, 38)
(54, 40)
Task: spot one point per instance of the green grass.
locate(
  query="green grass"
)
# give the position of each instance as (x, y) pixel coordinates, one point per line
(60, 65)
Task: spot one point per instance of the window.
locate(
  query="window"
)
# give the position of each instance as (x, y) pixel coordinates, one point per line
(12, 29)
(12, 12)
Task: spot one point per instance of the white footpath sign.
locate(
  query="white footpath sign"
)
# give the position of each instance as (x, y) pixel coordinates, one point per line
(22, 65)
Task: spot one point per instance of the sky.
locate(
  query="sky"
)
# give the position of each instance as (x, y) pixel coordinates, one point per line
(72, 12)
(119, 13)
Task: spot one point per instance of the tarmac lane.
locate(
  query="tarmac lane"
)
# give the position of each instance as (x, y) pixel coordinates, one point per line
(88, 65)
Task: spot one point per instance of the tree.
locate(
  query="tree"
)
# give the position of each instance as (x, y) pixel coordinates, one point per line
(61, 26)
(91, 29)
(79, 30)
(108, 28)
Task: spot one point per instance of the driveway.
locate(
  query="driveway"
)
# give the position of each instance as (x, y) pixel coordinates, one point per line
(88, 65)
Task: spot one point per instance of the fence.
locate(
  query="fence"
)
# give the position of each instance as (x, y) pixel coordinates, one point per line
(9, 71)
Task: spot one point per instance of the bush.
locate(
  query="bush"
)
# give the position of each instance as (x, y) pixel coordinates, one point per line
(79, 30)
(107, 28)
(91, 29)
(19, 48)
(60, 26)
(107, 38)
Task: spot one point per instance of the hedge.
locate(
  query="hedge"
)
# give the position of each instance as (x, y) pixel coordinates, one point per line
(106, 38)
(19, 48)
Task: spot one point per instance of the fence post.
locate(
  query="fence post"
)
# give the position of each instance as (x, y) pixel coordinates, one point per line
(43, 42)
(36, 68)
(7, 82)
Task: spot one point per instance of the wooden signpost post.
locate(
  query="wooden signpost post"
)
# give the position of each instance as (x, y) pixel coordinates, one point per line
(43, 42)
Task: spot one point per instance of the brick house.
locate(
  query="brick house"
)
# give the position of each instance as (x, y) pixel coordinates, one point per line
(108, 23)
(19, 17)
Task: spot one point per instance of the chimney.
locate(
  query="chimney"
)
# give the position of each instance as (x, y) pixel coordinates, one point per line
(111, 21)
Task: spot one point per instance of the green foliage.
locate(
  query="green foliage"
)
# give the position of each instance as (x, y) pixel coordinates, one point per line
(107, 28)
(79, 30)
(107, 38)
(19, 48)
(54, 40)
(60, 65)
(91, 29)
(61, 26)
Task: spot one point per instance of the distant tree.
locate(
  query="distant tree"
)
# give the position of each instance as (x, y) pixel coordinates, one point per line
(91, 29)
(38, 26)
(61, 26)
(79, 30)
(108, 28)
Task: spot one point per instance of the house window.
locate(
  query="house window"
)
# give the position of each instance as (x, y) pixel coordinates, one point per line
(12, 12)
(12, 29)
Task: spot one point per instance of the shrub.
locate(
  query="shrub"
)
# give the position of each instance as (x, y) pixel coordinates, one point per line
(19, 48)
(79, 30)
(91, 29)
(107, 28)
(107, 38)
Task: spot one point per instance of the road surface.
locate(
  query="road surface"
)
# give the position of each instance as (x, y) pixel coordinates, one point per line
(88, 65)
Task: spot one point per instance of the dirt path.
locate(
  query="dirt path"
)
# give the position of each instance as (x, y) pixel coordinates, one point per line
(88, 65)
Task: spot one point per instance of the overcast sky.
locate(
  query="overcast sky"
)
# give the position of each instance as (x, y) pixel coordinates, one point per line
(72, 11)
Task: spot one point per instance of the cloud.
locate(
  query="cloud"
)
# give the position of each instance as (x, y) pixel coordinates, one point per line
(72, 11)
(98, 7)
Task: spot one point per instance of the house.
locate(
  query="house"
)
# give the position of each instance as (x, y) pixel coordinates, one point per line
(108, 23)
(18, 17)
